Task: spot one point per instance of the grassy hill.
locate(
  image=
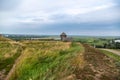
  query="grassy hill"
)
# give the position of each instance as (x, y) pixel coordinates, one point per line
(54, 60)
(9, 52)
(48, 61)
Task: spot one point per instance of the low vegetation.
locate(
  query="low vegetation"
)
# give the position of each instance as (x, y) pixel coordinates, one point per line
(9, 52)
(45, 60)
(112, 55)
(116, 59)
(100, 42)
(55, 60)
(98, 66)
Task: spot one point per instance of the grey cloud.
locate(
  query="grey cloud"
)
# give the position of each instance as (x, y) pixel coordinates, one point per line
(7, 5)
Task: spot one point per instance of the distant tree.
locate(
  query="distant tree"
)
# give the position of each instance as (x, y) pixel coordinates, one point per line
(117, 45)
(105, 45)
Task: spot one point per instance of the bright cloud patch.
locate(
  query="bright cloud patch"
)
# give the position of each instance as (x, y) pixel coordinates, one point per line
(37, 13)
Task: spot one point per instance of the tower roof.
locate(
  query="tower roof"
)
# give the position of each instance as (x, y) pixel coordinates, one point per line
(63, 33)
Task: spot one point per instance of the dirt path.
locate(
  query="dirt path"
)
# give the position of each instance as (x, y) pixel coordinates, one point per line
(98, 65)
(113, 51)
(16, 62)
(14, 66)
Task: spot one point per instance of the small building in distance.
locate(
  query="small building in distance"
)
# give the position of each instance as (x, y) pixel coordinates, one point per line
(117, 41)
(64, 37)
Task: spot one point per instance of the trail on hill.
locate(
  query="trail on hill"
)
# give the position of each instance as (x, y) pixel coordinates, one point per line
(113, 51)
(13, 68)
(16, 61)
(9, 51)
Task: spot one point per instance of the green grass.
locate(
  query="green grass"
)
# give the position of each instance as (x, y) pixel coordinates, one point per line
(112, 55)
(98, 42)
(47, 61)
(8, 54)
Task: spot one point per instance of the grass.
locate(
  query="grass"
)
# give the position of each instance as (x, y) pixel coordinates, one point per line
(94, 41)
(117, 49)
(4, 39)
(112, 55)
(48, 60)
(8, 54)
(55, 60)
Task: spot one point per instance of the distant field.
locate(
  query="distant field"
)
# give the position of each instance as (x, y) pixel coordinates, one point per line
(93, 40)
(100, 42)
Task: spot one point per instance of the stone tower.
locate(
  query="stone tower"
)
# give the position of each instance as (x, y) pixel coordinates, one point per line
(63, 36)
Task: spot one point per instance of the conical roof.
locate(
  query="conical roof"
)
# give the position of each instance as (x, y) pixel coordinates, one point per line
(63, 33)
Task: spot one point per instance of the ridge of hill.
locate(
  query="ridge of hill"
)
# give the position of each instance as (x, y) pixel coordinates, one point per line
(55, 60)
(47, 60)
(4, 39)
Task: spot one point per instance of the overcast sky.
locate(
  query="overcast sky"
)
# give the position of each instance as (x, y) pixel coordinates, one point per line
(76, 17)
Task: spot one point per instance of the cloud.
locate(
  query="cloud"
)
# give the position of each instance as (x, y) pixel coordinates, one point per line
(41, 15)
(8, 5)
(58, 16)
(104, 6)
(35, 11)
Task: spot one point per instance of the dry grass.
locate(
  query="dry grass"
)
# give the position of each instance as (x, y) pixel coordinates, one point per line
(55, 60)
(8, 54)
(49, 60)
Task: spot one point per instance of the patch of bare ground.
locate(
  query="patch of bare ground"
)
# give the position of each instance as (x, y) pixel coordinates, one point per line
(70, 77)
(2, 75)
(13, 54)
(98, 66)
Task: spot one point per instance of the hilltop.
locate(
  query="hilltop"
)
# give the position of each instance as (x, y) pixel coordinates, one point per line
(55, 60)
(4, 39)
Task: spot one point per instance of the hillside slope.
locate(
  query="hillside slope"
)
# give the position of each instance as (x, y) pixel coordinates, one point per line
(47, 60)
(55, 60)
(4, 39)
(9, 52)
